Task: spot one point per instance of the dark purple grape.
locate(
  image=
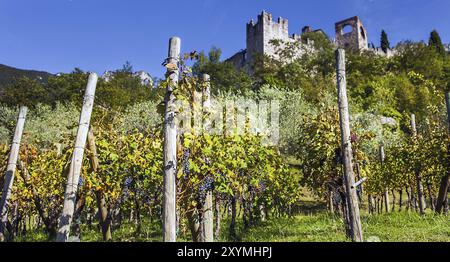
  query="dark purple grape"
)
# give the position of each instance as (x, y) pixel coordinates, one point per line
(80, 182)
(128, 182)
(185, 161)
(205, 186)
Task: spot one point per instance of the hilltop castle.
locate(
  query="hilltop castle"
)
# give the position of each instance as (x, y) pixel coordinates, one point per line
(350, 34)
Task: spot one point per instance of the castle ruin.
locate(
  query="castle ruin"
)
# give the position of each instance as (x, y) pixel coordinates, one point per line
(259, 37)
(350, 34)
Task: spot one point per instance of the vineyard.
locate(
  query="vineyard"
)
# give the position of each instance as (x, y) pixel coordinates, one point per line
(350, 141)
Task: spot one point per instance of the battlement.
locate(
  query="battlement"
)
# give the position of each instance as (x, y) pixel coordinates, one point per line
(266, 24)
(266, 19)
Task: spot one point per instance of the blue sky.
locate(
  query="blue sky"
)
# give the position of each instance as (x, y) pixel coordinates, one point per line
(97, 35)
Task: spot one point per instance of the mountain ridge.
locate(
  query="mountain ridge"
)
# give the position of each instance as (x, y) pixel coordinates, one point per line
(8, 74)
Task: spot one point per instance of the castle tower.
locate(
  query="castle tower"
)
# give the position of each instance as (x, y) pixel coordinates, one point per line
(259, 37)
(260, 34)
(351, 34)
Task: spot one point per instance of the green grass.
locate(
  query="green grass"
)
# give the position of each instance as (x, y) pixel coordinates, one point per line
(320, 226)
(301, 228)
(311, 224)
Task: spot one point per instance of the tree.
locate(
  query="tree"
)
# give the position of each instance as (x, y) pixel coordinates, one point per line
(420, 58)
(24, 91)
(225, 77)
(435, 43)
(385, 45)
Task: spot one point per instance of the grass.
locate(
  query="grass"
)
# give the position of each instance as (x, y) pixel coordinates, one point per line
(395, 227)
(311, 224)
(319, 226)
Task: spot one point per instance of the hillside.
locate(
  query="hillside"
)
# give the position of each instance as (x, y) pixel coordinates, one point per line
(8, 74)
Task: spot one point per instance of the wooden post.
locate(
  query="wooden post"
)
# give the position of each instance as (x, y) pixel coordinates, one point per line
(371, 204)
(11, 169)
(386, 191)
(356, 233)
(170, 144)
(447, 102)
(104, 219)
(208, 227)
(419, 185)
(73, 177)
(393, 200)
(445, 181)
(217, 218)
(413, 125)
(360, 192)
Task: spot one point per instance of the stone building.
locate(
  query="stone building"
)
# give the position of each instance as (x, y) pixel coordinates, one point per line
(144, 77)
(447, 48)
(350, 34)
(259, 36)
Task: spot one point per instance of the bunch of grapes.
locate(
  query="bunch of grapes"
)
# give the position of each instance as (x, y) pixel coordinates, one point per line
(222, 196)
(354, 138)
(80, 182)
(206, 186)
(128, 182)
(185, 161)
(209, 183)
(262, 186)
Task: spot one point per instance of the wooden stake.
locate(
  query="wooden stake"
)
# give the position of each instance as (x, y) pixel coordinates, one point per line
(413, 125)
(104, 218)
(208, 216)
(419, 185)
(170, 144)
(447, 102)
(11, 169)
(445, 181)
(356, 233)
(76, 163)
(386, 191)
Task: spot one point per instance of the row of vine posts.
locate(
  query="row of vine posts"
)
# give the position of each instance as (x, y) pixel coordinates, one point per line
(169, 214)
(419, 204)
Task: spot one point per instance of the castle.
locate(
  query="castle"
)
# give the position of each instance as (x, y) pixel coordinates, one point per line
(350, 34)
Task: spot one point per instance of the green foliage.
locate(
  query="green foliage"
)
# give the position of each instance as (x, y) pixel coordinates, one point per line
(435, 43)
(384, 42)
(140, 116)
(418, 57)
(240, 166)
(14, 94)
(46, 126)
(311, 72)
(224, 76)
(122, 88)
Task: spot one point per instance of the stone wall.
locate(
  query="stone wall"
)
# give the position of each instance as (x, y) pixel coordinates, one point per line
(447, 47)
(239, 60)
(380, 52)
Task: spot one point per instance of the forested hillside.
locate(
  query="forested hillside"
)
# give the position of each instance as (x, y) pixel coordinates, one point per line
(10, 74)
